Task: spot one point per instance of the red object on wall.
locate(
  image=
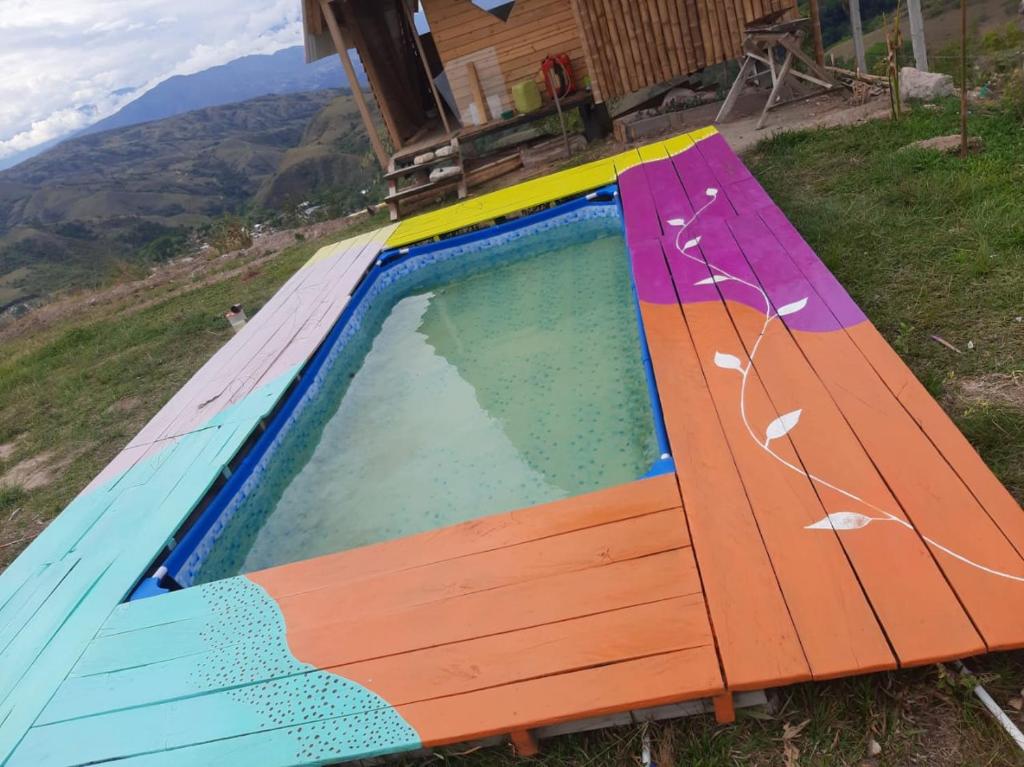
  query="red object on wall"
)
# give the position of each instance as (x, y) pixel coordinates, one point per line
(557, 71)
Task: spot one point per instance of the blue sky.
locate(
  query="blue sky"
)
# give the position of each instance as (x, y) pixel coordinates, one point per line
(66, 63)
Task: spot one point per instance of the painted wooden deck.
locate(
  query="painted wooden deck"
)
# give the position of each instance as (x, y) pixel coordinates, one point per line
(826, 519)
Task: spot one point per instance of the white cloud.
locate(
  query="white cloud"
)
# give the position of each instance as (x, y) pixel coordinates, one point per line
(66, 63)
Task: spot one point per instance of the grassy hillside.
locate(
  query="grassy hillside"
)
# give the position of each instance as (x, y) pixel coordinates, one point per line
(86, 210)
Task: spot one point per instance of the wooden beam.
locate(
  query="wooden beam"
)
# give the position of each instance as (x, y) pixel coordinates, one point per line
(525, 743)
(858, 35)
(426, 66)
(819, 46)
(478, 94)
(725, 708)
(917, 34)
(357, 92)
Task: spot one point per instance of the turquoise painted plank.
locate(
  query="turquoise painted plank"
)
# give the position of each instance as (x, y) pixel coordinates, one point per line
(42, 587)
(325, 742)
(298, 695)
(21, 595)
(115, 556)
(146, 613)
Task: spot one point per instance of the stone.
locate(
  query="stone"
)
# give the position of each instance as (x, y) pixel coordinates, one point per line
(924, 86)
(679, 98)
(946, 144)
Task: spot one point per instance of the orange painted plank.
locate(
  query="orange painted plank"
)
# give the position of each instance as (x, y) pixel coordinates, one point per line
(484, 534)
(943, 433)
(756, 638)
(983, 568)
(837, 628)
(653, 681)
(919, 613)
(633, 632)
(350, 637)
(569, 552)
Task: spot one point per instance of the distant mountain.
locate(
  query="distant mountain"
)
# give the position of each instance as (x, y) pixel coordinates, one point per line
(239, 80)
(87, 207)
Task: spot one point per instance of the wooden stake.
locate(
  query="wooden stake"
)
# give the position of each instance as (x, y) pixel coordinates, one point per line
(341, 45)
(963, 78)
(819, 46)
(426, 66)
(917, 34)
(858, 35)
(525, 743)
(725, 708)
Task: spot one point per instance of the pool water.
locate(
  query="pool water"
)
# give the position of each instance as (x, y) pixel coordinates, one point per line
(472, 394)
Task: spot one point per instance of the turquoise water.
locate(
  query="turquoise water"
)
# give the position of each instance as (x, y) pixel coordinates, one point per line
(514, 385)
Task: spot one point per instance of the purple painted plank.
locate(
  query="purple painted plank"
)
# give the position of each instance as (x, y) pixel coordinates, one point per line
(727, 167)
(785, 285)
(825, 283)
(748, 196)
(638, 207)
(697, 178)
(650, 273)
(670, 197)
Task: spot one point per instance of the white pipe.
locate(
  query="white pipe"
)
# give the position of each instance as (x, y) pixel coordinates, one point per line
(995, 709)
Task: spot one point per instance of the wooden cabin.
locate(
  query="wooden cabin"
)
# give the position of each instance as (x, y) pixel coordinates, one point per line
(456, 81)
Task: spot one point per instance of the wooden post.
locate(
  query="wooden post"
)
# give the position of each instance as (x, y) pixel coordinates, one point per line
(963, 78)
(525, 743)
(819, 46)
(725, 708)
(357, 92)
(917, 34)
(478, 93)
(426, 67)
(858, 35)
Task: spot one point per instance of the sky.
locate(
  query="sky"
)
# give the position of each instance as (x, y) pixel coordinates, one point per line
(64, 64)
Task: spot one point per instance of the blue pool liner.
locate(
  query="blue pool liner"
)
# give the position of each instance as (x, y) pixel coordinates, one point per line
(186, 557)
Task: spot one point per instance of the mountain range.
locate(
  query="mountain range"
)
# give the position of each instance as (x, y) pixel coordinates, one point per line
(93, 206)
(239, 80)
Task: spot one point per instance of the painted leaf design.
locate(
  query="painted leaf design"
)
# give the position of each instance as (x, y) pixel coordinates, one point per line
(728, 361)
(692, 243)
(676, 222)
(841, 520)
(711, 192)
(792, 308)
(712, 280)
(782, 425)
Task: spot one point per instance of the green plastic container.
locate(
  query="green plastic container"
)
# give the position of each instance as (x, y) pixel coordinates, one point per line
(526, 96)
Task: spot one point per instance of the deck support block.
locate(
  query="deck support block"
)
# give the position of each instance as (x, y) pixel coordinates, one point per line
(524, 742)
(725, 708)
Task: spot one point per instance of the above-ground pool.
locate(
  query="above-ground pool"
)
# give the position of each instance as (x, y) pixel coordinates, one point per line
(468, 377)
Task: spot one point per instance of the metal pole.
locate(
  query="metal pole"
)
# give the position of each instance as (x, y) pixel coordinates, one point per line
(963, 78)
(917, 34)
(858, 35)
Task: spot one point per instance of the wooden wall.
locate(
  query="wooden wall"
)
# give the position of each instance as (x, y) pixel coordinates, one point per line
(636, 43)
(503, 52)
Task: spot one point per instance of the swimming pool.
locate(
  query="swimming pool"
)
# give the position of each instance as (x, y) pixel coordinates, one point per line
(468, 377)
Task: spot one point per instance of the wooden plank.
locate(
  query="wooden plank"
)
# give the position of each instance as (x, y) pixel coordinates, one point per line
(983, 568)
(919, 614)
(922, 407)
(487, 207)
(835, 623)
(756, 637)
(479, 535)
(532, 603)
(397, 591)
(450, 669)
(593, 692)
